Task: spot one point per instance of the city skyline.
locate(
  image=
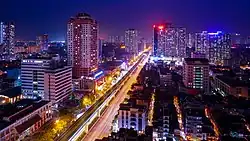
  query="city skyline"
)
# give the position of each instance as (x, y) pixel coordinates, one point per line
(195, 15)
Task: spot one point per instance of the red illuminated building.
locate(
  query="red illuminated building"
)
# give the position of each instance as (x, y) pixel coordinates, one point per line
(82, 39)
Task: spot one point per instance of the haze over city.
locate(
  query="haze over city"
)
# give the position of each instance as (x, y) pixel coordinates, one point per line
(49, 17)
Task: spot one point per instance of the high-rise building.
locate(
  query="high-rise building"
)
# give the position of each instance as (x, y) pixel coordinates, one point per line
(57, 84)
(131, 41)
(43, 42)
(196, 73)
(7, 35)
(169, 41)
(214, 46)
(201, 44)
(220, 47)
(82, 39)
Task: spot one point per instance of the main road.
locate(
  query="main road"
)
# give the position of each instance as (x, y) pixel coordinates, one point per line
(103, 125)
(81, 124)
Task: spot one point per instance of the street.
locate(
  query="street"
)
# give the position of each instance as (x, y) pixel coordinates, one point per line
(103, 125)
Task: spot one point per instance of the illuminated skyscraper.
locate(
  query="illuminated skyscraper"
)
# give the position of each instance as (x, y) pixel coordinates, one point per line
(131, 41)
(220, 47)
(169, 41)
(7, 35)
(214, 46)
(201, 44)
(83, 44)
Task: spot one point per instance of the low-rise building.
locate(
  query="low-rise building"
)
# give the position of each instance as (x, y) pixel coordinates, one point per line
(10, 96)
(133, 116)
(129, 135)
(231, 86)
(197, 125)
(165, 77)
(23, 118)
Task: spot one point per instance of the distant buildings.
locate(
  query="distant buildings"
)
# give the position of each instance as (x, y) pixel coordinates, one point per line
(116, 39)
(43, 42)
(131, 42)
(82, 39)
(169, 41)
(196, 73)
(7, 35)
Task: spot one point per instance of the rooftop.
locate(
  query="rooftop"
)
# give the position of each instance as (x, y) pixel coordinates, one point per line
(196, 61)
(13, 92)
(12, 112)
(232, 81)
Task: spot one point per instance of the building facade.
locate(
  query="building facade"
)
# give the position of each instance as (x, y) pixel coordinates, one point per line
(131, 42)
(132, 117)
(83, 44)
(196, 73)
(57, 84)
(32, 76)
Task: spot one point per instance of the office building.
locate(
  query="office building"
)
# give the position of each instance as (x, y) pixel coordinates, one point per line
(23, 118)
(7, 35)
(169, 41)
(32, 76)
(43, 42)
(196, 73)
(57, 83)
(83, 44)
(131, 42)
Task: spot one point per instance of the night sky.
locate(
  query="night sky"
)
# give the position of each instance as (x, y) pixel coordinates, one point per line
(34, 17)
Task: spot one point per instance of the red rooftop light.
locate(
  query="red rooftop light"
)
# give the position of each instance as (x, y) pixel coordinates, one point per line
(161, 27)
